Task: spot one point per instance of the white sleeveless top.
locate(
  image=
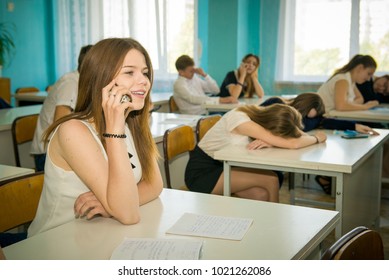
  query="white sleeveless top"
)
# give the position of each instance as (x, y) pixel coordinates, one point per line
(327, 91)
(61, 188)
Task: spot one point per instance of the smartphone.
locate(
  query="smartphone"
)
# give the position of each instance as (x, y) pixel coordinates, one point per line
(126, 98)
(355, 136)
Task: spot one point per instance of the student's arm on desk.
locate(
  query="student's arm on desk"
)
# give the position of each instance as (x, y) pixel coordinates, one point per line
(256, 131)
(341, 103)
(89, 206)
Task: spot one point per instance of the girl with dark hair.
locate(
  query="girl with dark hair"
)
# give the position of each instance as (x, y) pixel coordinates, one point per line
(243, 82)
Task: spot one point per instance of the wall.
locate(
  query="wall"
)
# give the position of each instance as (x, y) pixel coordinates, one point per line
(227, 30)
(33, 62)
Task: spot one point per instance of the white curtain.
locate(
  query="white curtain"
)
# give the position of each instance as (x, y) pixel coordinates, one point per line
(77, 23)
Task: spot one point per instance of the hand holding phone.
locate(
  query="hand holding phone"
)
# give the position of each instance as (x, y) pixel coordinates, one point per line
(126, 98)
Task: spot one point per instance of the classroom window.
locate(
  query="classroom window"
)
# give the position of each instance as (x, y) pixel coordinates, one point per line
(164, 27)
(316, 37)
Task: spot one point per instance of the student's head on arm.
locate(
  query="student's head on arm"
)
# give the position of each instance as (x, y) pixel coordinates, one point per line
(309, 105)
(381, 85)
(248, 75)
(185, 66)
(278, 125)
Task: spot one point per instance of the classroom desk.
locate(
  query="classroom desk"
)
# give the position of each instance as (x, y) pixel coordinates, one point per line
(225, 107)
(160, 122)
(7, 116)
(160, 98)
(9, 172)
(38, 96)
(356, 165)
(379, 114)
(279, 231)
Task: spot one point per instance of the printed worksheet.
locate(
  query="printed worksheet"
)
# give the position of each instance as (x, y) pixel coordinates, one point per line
(211, 226)
(157, 249)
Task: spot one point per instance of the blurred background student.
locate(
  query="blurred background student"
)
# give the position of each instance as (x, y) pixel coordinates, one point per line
(377, 88)
(191, 87)
(243, 82)
(340, 92)
(61, 101)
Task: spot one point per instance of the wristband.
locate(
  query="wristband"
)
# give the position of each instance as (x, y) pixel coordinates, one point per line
(112, 135)
(239, 84)
(317, 139)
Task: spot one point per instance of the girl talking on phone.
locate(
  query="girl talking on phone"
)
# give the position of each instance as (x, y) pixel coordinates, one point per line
(102, 159)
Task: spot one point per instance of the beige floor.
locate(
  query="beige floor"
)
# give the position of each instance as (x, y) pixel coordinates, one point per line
(310, 190)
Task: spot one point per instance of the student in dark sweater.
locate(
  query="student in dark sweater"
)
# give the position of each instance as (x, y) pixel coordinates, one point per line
(377, 88)
(311, 107)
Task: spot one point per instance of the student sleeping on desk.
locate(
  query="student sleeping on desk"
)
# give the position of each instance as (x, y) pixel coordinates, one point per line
(311, 107)
(277, 125)
(102, 159)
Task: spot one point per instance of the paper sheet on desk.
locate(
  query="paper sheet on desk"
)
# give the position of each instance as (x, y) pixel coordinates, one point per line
(157, 249)
(211, 226)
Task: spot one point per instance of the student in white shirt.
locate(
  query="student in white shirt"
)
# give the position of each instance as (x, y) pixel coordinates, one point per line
(189, 90)
(340, 91)
(61, 101)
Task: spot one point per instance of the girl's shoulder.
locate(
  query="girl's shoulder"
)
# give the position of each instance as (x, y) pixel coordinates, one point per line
(74, 127)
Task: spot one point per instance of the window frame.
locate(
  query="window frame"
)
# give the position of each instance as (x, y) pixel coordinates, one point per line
(286, 38)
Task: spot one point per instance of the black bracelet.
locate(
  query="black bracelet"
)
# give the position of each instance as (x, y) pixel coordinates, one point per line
(240, 84)
(110, 135)
(317, 139)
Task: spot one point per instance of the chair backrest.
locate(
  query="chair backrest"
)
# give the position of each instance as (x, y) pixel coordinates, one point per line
(360, 243)
(5, 89)
(23, 129)
(204, 124)
(19, 198)
(26, 89)
(173, 108)
(176, 141)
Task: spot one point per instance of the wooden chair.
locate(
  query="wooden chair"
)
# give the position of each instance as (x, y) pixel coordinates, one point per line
(5, 89)
(23, 129)
(27, 90)
(176, 141)
(360, 243)
(173, 108)
(19, 198)
(204, 124)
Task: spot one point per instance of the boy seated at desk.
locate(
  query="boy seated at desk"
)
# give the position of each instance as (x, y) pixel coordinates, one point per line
(189, 90)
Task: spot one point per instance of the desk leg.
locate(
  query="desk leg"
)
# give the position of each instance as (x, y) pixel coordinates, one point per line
(360, 200)
(291, 188)
(227, 179)
(339, 204)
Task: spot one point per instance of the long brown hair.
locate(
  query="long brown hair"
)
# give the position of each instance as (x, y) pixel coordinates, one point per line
(304, 102)
(280, 119)
(100, 65)
(365, 60)
(249, 90)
